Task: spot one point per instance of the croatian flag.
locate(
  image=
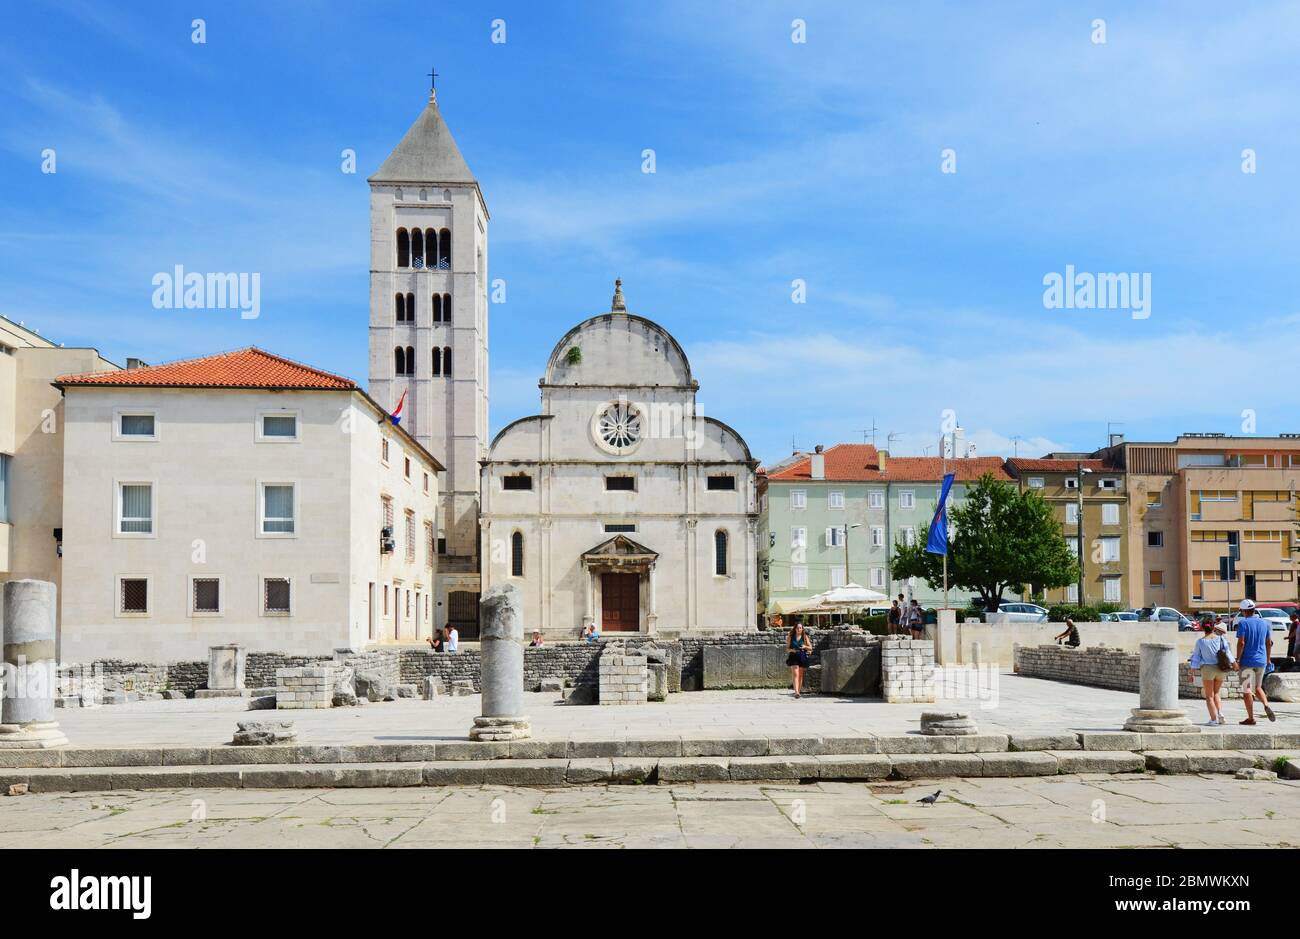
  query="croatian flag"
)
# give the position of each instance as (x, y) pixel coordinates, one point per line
(396, 416)
(937, 543)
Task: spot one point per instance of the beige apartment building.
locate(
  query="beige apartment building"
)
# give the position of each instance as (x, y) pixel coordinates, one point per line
(241, 498)
(1069, 483)
(31, 449)
(1200, 497)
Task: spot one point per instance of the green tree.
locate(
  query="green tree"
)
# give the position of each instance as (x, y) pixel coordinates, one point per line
(1003, 538)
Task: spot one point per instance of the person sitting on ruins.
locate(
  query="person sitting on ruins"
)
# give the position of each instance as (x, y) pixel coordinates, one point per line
(1070, 634)
(436, 642)
(537, 640)
(590, 634)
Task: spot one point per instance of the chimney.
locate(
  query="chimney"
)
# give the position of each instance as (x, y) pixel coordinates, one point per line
(1116, 439)
(136, 363)
(818, 463)
(881, 457)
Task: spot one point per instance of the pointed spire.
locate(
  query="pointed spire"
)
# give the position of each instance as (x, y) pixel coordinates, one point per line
(617, 305)
(427, 153)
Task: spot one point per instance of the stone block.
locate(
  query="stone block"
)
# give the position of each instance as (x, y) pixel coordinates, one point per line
(853, 766)
(587, 771)
(694, 769)
(937, 765)
(1023, 742)
(1109, 740)
(1197, 761)
(1282, 686)
(1032, 763)
(552, 685)
(432, 687)
(1098, 761)
(853, 670)
(749, 768)
(723, 746)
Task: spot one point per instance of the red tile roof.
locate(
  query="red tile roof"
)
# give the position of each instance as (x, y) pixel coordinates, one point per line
(860, 462)
(243, 368)
(1055, 466)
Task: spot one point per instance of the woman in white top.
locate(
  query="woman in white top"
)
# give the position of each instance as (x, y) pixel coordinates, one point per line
(1205, 659)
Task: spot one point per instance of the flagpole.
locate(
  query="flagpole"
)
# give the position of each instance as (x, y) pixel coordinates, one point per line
(944, 516)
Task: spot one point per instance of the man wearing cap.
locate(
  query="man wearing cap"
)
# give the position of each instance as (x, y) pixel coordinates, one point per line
(1254, 646)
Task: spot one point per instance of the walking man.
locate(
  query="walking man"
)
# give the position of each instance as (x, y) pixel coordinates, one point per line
(1254, 647)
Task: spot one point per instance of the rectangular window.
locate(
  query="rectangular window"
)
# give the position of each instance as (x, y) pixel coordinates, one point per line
(837, 577)
(4, 487)
(1109, 549)
(383, 449)
(798, 499)
(1111, 589)
(137, 426)
(277, 509)
(276, 599)
(909, 536)
(877, 536)
(1153, 500)
(877, 577)
(135, 509)
(835, 499)
(1156, 578)
(406, 467)
(620, 483)
(1155, 539)
(426, 487)
(442, 545)
(430, 548)
(133, 595)
(835, 536)
(519, 482)
(798, 578)
(278, 426)
(1110, 513)
(386, 513)
(907, 499)
(1071, 513)
(1072, 482)
(876, 499)
(1035, 482)
(798, 537)
(205, 595)
(727, 482)
(1108, 483)
(410, 535)
(614, 528)
(1072, 593)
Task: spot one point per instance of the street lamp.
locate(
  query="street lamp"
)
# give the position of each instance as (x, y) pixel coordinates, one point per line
(1079, 470)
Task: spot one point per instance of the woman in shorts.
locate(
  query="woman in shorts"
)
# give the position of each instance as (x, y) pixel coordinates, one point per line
(1205, 662)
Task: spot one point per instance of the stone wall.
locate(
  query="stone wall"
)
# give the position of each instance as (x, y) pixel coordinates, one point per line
(305, 688)
(1105, 668)
(907, 669)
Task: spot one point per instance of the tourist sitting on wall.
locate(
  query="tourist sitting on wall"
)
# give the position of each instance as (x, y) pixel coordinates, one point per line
(537, 640)
(453, 639)
(436, 642)
(590, 634)
(1212, 660)
(1070, 634)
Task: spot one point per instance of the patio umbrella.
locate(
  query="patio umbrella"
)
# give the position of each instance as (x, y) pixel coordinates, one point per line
(849, 596)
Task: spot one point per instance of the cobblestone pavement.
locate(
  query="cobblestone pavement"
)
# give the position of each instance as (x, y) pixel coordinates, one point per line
(1062, 811)
(1020, 705)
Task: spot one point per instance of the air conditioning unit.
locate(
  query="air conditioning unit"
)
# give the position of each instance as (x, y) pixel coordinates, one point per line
(386, 543)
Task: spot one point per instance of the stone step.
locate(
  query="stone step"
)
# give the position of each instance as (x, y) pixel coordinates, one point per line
(628, 770)
(667, 746)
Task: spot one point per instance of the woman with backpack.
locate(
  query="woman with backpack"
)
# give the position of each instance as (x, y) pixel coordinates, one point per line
(1212, 660)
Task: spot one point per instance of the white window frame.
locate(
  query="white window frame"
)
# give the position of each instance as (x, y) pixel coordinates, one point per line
(909, 535)
(1072, 593)
(1109, 545)
(835, 536)
(1108, 483)
(877, 536)
(877, 577)
(1072, 482)
(117, 599)
(876, 498)
(798, 499)
(295, 413)
(261, 508)
(835, 499)
(1110, 513)
(119, 413)
(798, 536)
(1111, 585)
(117, 508)
(261, 595)
(798, 577)
(837, 573)
(221, 595)
(1072, 513)
(907, 498)
(1036, 482)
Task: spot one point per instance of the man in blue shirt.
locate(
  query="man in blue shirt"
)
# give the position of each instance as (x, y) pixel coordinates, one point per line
(1254, 646)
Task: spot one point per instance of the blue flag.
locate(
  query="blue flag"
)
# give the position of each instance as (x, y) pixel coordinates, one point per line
(937, 543)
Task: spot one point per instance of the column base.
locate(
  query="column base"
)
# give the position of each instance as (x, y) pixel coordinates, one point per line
(35, 735)
(1150, 721)
(501, 728)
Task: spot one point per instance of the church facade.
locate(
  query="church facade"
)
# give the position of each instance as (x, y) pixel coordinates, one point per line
(429, 334)
(620, 506)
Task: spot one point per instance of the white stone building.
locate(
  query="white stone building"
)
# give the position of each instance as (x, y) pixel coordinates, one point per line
(619, 506)
(428, 332)
(241, 498)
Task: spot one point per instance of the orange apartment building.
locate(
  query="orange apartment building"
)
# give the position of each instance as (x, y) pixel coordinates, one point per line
(1194, 499)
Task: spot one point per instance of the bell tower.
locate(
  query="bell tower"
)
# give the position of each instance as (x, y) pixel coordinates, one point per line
(429, 333)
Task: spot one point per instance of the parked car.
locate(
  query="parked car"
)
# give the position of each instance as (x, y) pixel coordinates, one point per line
(1165, 614)
(1023, 612)
(1119, 616)
(1278, 620)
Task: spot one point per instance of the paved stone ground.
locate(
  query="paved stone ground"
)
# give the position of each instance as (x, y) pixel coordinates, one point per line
(1063, 811)
(1023, 705)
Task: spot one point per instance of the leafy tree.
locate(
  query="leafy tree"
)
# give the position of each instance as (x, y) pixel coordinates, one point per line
(1003, 538)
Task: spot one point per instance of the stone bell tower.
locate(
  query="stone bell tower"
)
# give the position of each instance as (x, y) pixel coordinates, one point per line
(429, 333)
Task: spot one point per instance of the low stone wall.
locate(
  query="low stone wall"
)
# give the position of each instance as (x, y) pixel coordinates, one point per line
(997, 641)
(1106, 668)
(305, 688)
(907, 669)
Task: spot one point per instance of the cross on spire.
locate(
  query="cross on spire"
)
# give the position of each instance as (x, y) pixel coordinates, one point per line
(433, 78)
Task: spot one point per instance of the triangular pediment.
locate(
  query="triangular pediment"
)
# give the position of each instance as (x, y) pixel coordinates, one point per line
(620, 547)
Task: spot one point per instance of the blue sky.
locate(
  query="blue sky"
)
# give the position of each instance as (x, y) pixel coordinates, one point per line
(775, 161)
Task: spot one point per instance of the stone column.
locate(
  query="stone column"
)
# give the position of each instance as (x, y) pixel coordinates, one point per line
(226, 672)
(31, 675)
(1158, 711)
(945, 639)
(501, 647)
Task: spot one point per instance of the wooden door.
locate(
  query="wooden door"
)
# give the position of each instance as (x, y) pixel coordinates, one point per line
(620, 603)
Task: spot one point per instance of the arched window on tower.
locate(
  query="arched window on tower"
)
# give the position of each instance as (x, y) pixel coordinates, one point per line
(446, 308)
(399, 361)
(417, 248)
(410, 360)
(446, 360)
(437, 308)
(517, 554)
(431, 246)
(399, 306)
(403, 248)
(720, 553)
(410, 308)
(444, 250)
(437, 361)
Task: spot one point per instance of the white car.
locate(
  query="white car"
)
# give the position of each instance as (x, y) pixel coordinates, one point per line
(1164, 614)
(1023, 612)
(1277, 620)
